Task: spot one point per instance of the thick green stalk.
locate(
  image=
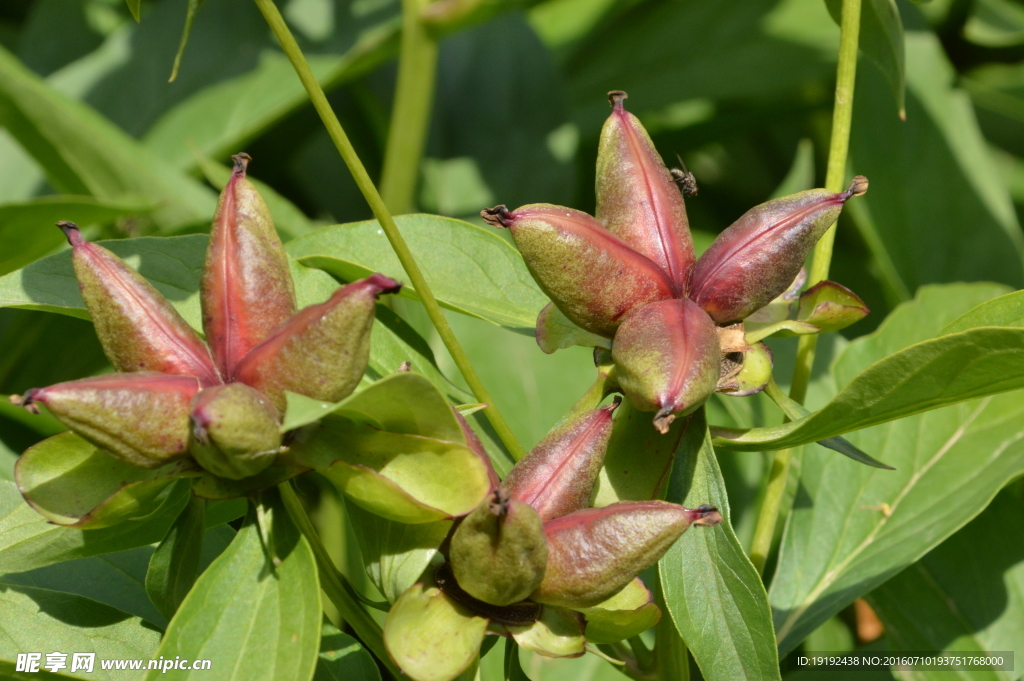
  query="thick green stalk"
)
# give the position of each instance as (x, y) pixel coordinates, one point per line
(348, 154)
(410, 114)
(842, 117)
(334, 583)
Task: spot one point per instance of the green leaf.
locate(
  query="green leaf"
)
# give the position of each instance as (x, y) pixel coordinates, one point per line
(395, 554)
(558, 633)
(801, 173)
(190, 16)
(638, 458)
(83, 153)
(342, 658)
(28, 541)
(937, 210)
(1007, 310)
(966, 595)
(135, 7)
(711, 589)
(853, 527)
(255, 612)
(27, 231)
(881, 39)
(37, 620)
(470, 269)
(995, 23)
(175, 563)
(71, 482)
(628, 613)
(914, 378)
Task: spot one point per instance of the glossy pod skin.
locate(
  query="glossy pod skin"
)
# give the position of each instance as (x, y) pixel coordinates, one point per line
(322, 351)
(138, 328)
(498, 552)
(140, 418)
(596, 552)
(756, 258)
(235, 431)
(637, 198)
(557, 476)
(247, 289)
(590, 274)
(667, 357)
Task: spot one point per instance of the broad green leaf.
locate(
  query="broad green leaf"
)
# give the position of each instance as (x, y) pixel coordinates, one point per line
(27, 228)
(430, 636)
(801, 173)
(37, 620)
(470, 269)
(967, 595)
(558, 633)
(28, 541)
(908, 380)
(83, 153)
(342, 658)
(395, 554)
(712, 591)
(71, 482)
(857, 526)
(1007, 310)
(628, 613)
(881, 39)
(937, 209)
(255, 612)
(115, 579)
(175, 563)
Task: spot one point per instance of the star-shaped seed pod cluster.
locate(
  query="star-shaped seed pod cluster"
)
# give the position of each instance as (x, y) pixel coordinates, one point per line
(627, 278)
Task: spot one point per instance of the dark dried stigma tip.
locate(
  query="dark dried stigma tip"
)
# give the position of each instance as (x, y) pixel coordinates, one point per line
(518, 614)
(498, 505)
(27, 401)
(241, 163)
(663, 419)
(858, 186)
(405, 366)
(499, 216)
(709, 516)
(616, 97)
(71, 231)
(616, 401)
(384, 284)
(200, 430)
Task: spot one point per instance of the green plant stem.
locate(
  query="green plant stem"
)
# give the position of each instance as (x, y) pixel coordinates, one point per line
(842, 117)
(348, 154)
(334, 583)
(410, 115)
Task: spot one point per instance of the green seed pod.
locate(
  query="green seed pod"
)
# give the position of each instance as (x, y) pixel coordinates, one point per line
(594, 553)
(667, 359)
(637, 197)
(322, 351)
(235, 431)
(247, 289)
(498, 552)
(558, 475)
(140, 418)
(590, 274)
(138, 328)
(756, 258)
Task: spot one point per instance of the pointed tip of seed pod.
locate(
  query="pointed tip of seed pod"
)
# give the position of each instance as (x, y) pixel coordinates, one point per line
(706, 516)
(858, 186)
(616, 97)
(404, 367)
(27, 401)
(383, 284)
(499, 216)
(499, 502)
(616, 401)
(663, 419)
(71, 232)
(241, 160)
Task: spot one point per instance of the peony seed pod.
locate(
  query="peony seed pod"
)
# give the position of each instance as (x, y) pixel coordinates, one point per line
(235, 431)
(667, 359)
(138, 328)
(591, 275)
(140, 418)
(498, 552)
(322, 351)
(594, 553)
(637, 196)
(756, 258)
(247, 288)
(558, 475)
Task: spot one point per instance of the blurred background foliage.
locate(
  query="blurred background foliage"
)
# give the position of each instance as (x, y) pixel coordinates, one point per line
(741, 91)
